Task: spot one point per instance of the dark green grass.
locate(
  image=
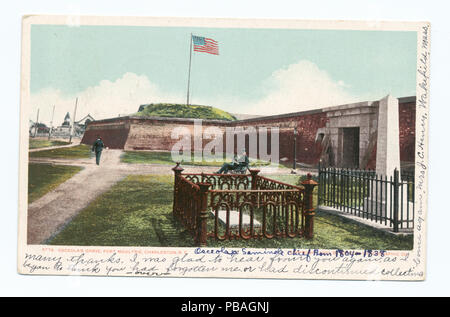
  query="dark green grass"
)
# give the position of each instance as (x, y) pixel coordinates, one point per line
(138, 212)
(291, 179)
(41, 143)
(144, 157)
(74, 152)
(43, 178)
(184, 111)
(295, 180)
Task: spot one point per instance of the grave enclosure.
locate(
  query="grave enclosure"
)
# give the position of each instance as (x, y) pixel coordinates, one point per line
(233, 207)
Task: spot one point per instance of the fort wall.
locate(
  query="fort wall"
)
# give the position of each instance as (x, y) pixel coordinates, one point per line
(155, 133)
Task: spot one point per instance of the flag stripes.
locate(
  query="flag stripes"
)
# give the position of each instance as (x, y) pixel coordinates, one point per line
(205, 45)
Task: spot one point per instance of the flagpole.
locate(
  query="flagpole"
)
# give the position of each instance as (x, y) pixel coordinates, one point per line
(51, 124)
(36, 125)
(72, 128)
(189, 73)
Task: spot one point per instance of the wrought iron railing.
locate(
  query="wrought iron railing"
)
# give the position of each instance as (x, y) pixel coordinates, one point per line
(379, 198)
(232, 207)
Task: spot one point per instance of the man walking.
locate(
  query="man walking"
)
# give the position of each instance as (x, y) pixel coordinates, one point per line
(97, 147)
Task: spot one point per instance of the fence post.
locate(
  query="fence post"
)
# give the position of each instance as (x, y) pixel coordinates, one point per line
(177, 171)
(308, 208)
(319, 194)
(396, 186)
(202, 226)
(254, 174)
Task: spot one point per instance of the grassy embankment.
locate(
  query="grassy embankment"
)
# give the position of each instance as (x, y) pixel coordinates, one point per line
(74, 152)
(138, 212)
(170, 110)
(41, 143)
(42, 178)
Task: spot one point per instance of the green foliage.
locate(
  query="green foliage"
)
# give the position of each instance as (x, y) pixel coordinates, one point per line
(42, 178)
(302, 178)
(78, 151)
(183, 111)
(138, 212)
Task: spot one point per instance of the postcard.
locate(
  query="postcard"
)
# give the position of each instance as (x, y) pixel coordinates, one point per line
(232, 148)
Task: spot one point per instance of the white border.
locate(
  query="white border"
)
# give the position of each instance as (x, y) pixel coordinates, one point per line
(401, 10)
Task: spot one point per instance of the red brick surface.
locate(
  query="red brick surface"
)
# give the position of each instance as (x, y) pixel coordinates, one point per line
(407, 127)
(407, 118)
(113, 132)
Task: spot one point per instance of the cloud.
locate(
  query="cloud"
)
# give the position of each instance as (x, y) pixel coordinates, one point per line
(105, 100)
(301, 86)
(298, 87)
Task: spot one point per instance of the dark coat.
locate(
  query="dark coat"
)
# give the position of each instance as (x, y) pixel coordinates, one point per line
(98, 145)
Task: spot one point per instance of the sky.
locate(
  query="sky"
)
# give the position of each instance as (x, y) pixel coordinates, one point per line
(114, 69)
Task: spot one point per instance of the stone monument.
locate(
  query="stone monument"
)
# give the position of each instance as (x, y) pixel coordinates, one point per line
(388, 144)
(380, 201)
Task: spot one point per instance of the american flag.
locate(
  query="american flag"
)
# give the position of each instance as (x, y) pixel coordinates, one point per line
(205, 45)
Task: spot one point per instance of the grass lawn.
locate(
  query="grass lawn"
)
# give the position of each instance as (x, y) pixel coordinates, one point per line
(293, 179)
(138, 212)
(43, 178)
(287, 178)
(144, 157)
(40, 143)
(74, 152)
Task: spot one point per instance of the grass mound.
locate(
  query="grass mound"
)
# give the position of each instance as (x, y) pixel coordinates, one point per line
(183, 111)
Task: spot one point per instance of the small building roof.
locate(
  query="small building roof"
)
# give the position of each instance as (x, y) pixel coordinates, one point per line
(84, 119)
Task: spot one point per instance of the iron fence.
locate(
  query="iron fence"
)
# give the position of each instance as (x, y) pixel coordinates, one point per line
(232, 207)
(363, 193)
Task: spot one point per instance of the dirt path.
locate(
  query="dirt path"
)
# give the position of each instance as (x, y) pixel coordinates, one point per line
(48, 215)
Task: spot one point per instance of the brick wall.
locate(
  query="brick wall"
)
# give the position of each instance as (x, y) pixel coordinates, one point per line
(407, 118)
(131, 133)
(114, 132)
(307, 149)
(154, 134)
(407, 128)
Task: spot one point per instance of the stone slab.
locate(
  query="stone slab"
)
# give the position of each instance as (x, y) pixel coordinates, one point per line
(234, 219)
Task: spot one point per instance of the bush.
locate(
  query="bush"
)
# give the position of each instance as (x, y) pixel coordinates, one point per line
(305, 177)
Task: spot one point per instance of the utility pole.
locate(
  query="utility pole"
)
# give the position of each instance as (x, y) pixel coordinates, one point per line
(36, 123)
(51, 124)
(73, 120)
